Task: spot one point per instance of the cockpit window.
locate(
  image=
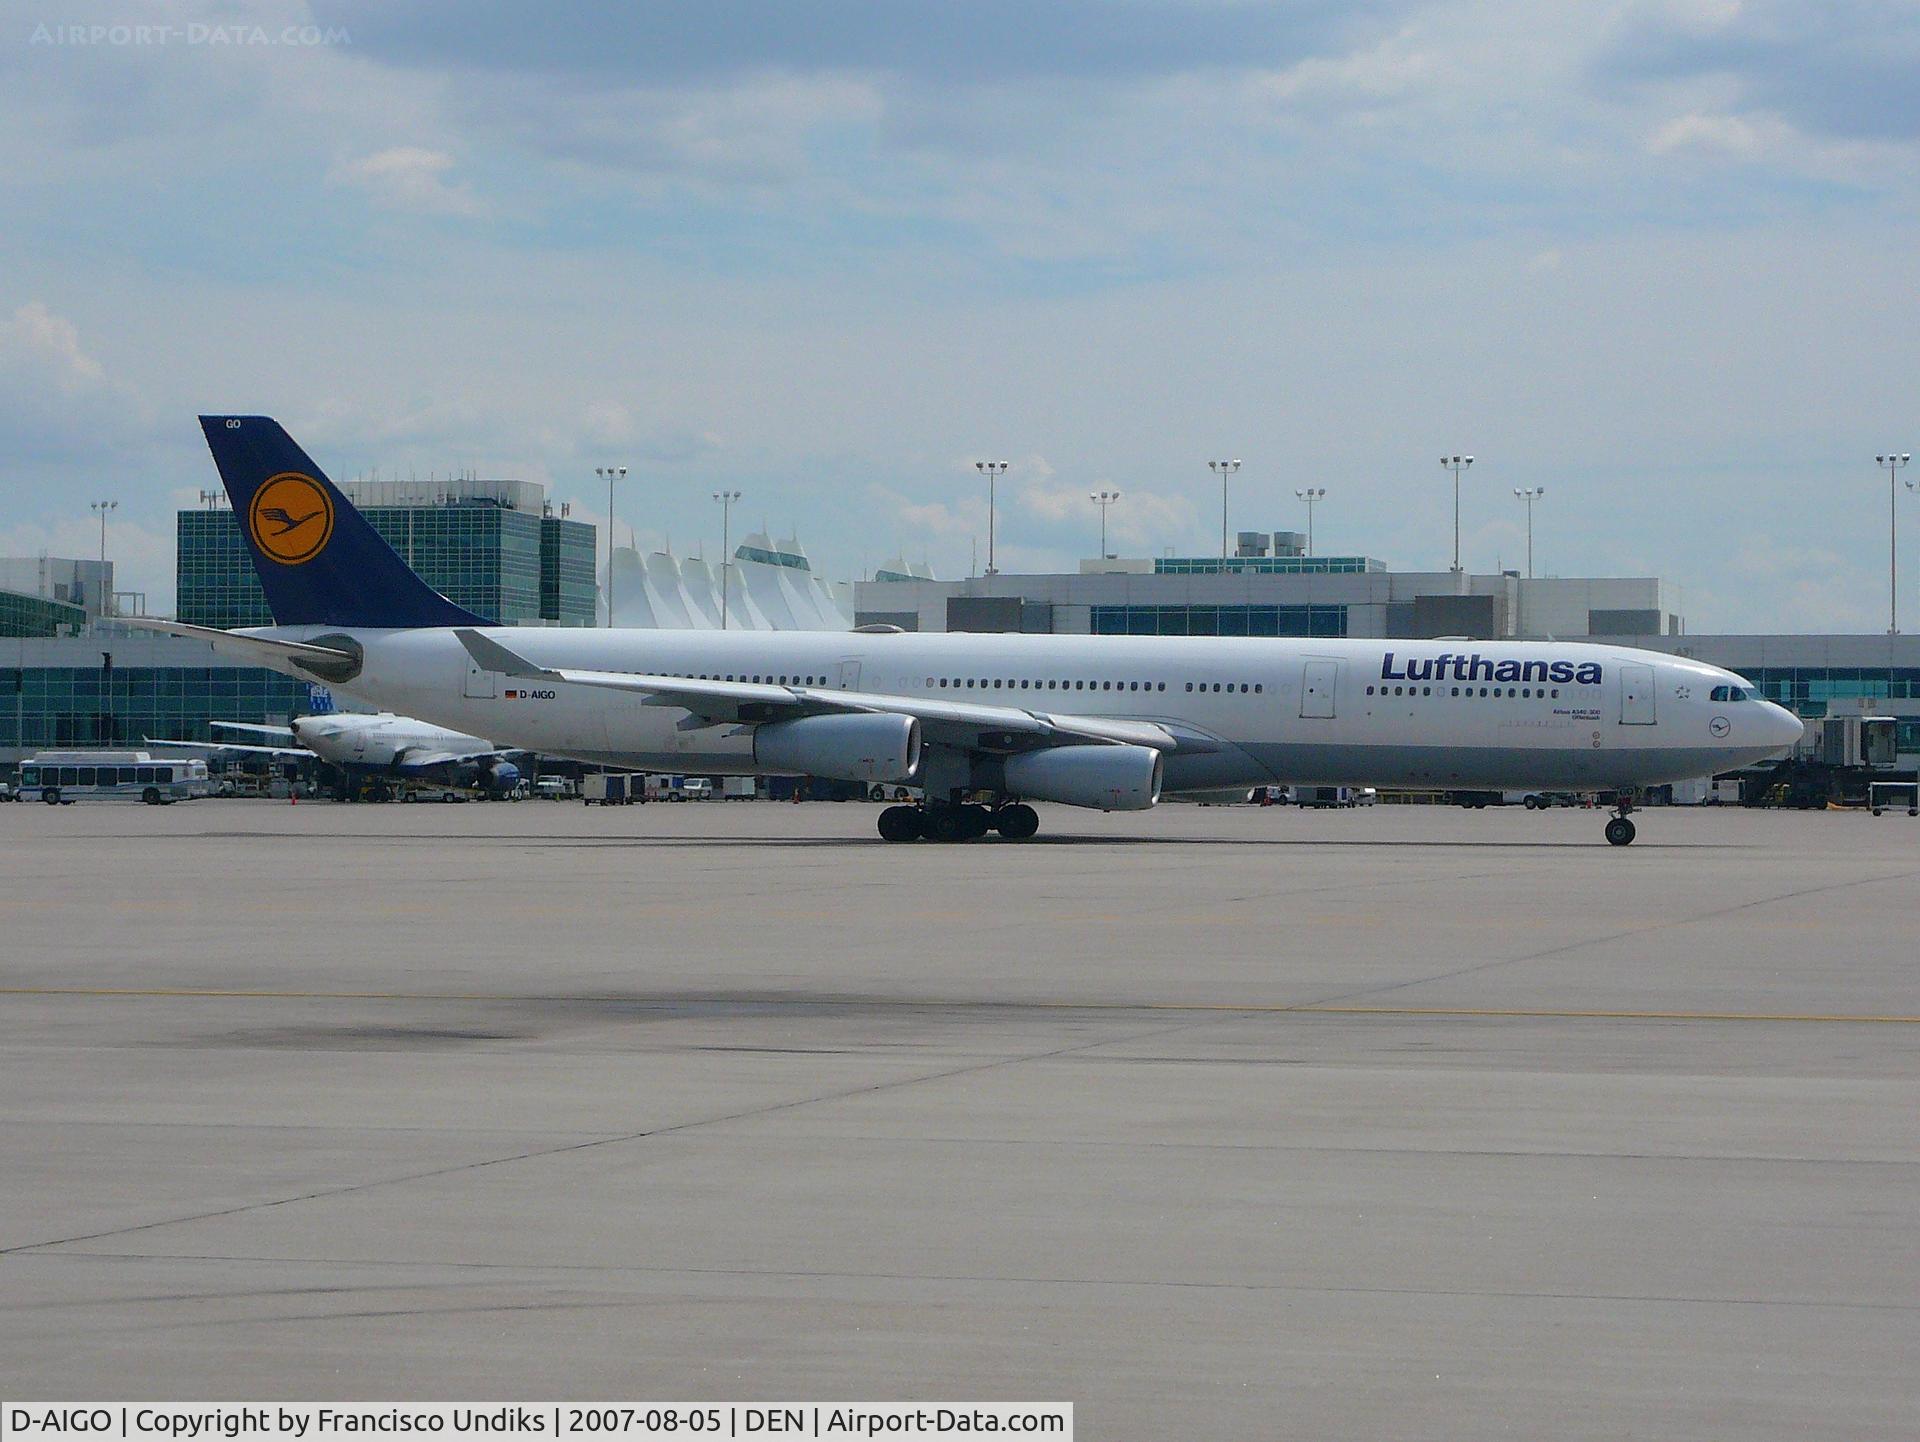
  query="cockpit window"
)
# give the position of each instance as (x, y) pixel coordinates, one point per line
(1731, 693)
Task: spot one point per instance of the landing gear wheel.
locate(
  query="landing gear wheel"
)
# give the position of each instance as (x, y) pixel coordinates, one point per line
(899, 823)
(1619, 832)
(979, 821)
(1017, 822)
(947, 824)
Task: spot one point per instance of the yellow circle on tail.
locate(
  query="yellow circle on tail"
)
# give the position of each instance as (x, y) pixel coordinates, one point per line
(291, 518)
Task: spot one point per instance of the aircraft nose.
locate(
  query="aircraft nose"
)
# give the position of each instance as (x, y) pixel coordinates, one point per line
(1784, 728)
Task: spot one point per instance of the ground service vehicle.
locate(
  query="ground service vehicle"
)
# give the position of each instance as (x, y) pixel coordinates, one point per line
(613, 788)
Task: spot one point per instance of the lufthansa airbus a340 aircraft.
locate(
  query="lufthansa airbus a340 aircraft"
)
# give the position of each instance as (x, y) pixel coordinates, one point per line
(983, 725)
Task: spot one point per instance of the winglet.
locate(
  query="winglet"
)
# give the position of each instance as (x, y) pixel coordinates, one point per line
(490, 655)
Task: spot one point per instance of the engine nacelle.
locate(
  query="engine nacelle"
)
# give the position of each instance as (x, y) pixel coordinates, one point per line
(1109, 778)
(865, 747)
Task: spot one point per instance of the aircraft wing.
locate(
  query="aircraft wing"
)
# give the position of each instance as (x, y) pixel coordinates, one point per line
(291, 753)
(422, 760)
(257, 730)
(965, 723)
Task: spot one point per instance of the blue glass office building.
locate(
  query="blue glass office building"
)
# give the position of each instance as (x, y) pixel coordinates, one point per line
(514, 567)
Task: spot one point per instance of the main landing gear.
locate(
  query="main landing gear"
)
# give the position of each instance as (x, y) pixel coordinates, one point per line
(1620, 830)
(950, 823)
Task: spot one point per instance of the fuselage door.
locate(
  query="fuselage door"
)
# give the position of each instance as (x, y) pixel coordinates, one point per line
(846, 675)
(1636, 695)
(1317, 685)
(481, 684)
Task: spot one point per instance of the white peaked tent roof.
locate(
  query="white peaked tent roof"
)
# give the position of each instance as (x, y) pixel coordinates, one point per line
(669, 592)
(743, 614)
(762, 583)
(632, 605)
(663, 591)
(823, 610)
(701, 591)
(803, 599)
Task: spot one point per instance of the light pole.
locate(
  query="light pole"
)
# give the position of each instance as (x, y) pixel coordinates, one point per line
(610, 474)
(1530, 495)
(992, 470)
(101, 508)
(1893, 463)
(1312, 495)
(1223, 469)
(726, 500)
(1456, 464)
(1103, 499)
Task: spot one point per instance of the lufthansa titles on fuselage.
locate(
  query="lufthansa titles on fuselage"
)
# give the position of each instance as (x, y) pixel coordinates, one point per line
(1448, 666)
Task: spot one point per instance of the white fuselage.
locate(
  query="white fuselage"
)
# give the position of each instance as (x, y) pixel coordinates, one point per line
(1400, 713)
(348, 738)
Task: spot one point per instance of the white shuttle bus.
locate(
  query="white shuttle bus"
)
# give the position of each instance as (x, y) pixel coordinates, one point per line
(58, 777)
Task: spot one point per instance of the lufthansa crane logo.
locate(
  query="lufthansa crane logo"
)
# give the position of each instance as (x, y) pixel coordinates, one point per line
(291, 518)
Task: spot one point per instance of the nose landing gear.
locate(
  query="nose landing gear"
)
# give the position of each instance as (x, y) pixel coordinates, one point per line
(1620, 830)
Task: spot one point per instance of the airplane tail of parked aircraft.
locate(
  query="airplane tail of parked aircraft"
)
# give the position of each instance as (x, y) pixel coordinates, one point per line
(320, 560)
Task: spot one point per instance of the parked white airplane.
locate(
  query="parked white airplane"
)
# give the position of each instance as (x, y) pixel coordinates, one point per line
(377, 747)
(1097, 721)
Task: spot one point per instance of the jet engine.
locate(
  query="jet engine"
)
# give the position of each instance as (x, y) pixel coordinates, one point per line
(1110, 778)
(493, 775)
(862, 747)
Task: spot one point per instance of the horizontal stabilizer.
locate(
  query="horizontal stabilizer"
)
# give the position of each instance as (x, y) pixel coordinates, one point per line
(327, 662)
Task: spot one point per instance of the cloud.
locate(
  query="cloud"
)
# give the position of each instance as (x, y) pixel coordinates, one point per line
(57, 401)
(1843, 71)
(753, 130)
(649, 41)
(610, 424)
(1715, 134)
(409, 178)
(37, 345)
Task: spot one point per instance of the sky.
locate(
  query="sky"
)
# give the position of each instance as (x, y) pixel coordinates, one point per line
(1657, 258)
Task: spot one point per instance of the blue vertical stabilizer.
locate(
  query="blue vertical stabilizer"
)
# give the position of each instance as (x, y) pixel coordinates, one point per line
(320, 561)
